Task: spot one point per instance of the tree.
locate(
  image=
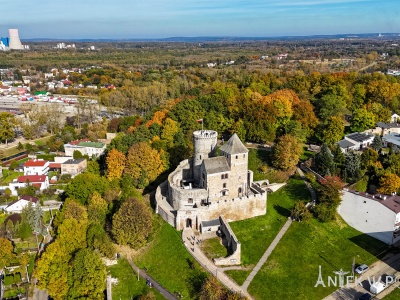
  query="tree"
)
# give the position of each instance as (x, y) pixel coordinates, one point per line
(362, 120)
(33, 215)
(6, 252)
(52, 271)
(377, 143)
(300, 211)
(368, 157)
(77, 154)
(97, 209)
(115, 164)
(352, 165)
(286, 152)
(329, 190)
(323, 161)
(93, 167)
(84, 185)
(143, 164)
(87, 276)
(212, 290)
(7, 125)
(389, 183)
(168, 132)
(329, 105)
(98, 239)
(132, 224)
(332, 130)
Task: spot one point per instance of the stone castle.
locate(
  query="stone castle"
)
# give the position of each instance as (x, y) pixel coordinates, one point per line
(205, 187)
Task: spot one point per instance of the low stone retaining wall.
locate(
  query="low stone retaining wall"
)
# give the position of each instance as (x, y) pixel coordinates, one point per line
(232, 243)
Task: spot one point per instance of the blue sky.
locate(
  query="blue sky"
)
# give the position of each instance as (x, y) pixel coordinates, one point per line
(167, 18)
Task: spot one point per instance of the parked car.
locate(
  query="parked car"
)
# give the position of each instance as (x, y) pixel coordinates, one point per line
(365, 296)
(361, 269)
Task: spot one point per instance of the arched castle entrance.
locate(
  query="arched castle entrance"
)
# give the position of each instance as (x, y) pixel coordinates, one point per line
(189, 222)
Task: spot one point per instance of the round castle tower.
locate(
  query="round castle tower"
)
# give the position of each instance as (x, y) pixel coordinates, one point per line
(205, 146)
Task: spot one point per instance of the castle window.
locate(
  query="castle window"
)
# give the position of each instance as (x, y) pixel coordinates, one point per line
(224, 185)
(222, 176)
(244, 155)
(237, 156)
(190, 200)
(200, 156)
(224, 193)
(226, 176)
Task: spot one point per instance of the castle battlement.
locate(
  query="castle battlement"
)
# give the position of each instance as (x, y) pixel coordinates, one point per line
(207, 186)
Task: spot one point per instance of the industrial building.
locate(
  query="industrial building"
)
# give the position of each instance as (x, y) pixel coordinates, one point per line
(12, 42)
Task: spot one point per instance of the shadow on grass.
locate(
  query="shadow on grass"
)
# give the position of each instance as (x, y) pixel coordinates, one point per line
(373, 245)
(282, 210)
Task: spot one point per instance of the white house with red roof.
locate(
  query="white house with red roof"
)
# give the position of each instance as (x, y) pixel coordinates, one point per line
(36, 167)
(22, 202)
(39, 181)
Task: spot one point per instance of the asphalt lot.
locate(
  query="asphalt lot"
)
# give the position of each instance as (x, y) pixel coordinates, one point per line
(388, 266)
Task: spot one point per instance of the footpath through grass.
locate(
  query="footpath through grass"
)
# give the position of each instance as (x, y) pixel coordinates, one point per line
(167, 261)
(291, 271)
(256, 234)
(128, 287)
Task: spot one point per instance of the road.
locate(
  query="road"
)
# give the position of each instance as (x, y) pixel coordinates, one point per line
(388, 266)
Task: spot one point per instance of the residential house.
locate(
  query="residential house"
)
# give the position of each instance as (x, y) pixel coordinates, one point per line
(92, 149)
(22, 202)
(40, 181)
(73, 166)
(355, 141)
(375, 215)
(394, 118)
(391, 140)
(36, 167)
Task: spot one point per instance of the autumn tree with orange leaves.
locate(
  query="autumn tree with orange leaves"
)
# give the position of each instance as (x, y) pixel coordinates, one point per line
(144, 164)
(115, 164)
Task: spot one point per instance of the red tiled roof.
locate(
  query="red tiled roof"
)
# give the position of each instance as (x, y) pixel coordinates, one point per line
(29, 198)
(32, 178)
(78, 141)
(54, 166)
(35, 163)
(37, 185)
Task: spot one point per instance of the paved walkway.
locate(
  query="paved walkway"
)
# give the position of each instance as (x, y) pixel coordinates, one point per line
(195, 251)
(312, 192)
(163, 291)
(266, 254)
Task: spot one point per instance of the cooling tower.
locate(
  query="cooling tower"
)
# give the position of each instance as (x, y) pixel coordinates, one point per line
(14, 42)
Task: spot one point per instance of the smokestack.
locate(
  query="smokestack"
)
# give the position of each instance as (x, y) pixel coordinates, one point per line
(15, 42)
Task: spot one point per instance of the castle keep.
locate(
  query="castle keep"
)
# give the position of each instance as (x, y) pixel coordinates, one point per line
(207, 186)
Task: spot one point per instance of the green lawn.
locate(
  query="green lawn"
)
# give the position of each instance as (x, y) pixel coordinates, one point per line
(9, 176)
(168, 262)
(291, 271)
(395, 295)
(128, 286)
(256, 234)
(213, 248)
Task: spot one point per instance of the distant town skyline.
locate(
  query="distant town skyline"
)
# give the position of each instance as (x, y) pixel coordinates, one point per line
(161, 19)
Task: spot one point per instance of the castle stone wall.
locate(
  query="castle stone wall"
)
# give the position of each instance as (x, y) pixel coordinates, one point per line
(232, 243)
(205, 146)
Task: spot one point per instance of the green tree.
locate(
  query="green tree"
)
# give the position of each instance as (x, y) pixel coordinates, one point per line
(286, 152)
(132, 224)
(87, 276)
(329, 105)
(77, 154)
(93, 167)
(352, 166)
(323, 161)
(97, 209)
(377, 143)
(300, 211)
(368, 157)
(329, 196)
(362, 120)
(332, 131)
(84, 185)
(98, 239)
